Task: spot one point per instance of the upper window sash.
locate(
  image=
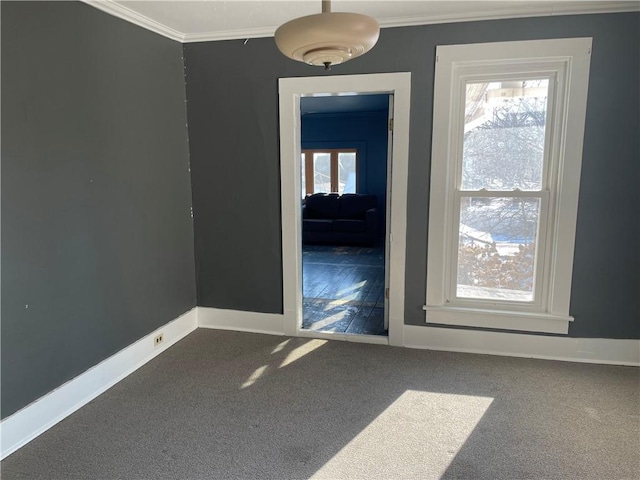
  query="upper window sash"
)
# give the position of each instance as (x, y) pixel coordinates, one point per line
(463, 74)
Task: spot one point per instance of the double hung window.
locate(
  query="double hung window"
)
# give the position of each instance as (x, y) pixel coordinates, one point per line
(507, 148)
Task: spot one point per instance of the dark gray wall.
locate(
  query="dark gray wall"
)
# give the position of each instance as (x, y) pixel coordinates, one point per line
(97, 239)
(233, 127)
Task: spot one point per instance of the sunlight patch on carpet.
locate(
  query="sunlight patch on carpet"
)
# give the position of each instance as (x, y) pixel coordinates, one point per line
(301, 351)
(415, 437)
(254, 376)
(280, 346)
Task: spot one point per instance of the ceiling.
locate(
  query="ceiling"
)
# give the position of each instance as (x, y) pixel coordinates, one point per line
(197, 21)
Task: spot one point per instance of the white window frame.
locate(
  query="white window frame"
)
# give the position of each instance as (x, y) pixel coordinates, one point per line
(565, 62)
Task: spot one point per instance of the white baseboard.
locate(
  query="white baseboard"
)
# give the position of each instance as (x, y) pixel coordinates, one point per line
(346, 337)
(585, 350)
(34, 419)
(37, 417)
(254, 322)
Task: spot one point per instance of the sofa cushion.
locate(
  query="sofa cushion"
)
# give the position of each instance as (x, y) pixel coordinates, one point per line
(355, 205)
(317, 225)
(351, 226)
(322, 205)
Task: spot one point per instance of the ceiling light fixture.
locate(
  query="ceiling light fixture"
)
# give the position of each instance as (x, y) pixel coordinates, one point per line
(328, 38)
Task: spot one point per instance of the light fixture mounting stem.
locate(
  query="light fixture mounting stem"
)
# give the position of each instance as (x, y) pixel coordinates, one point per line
(326, 6)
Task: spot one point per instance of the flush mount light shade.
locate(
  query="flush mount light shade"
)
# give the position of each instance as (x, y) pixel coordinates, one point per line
(327, 39)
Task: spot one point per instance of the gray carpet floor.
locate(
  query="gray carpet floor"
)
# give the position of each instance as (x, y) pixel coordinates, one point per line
(228, 405)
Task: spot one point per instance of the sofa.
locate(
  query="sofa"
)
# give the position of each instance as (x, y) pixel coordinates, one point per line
(330, 218)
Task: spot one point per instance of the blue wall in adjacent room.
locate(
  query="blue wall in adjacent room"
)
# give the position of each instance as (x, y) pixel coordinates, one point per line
(366, 131)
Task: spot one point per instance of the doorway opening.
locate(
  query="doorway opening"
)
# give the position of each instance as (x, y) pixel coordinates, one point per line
(291, 92)
(345, 146)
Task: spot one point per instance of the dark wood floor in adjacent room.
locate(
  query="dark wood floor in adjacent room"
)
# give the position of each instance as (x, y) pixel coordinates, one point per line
(343, 289)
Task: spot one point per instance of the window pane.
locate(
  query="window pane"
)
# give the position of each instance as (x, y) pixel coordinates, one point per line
(303, 178)
(346, 172)
(497, 248)
(504, 135)
(321, 172)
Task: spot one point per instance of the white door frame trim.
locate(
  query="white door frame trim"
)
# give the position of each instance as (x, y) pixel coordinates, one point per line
(290, 91)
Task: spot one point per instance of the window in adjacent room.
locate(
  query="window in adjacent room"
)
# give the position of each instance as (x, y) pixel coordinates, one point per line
(507, 151)
(332, 170)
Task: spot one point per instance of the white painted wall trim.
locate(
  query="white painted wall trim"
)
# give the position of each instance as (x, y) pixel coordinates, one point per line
(290, 91)
(543, 9)
(37, 417)
(239, 321)
(118, 10)
(510, 10)
(565, 62)
(34, 419)
(270, 324)
(583, 350)
(345, 337)
(500, 319)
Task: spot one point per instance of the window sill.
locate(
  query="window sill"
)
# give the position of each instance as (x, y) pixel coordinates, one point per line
(498, 319)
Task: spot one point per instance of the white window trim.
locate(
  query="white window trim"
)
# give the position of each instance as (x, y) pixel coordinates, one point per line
(568, 61)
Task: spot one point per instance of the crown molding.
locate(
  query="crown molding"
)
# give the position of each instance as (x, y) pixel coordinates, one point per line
(118, 10)
(229, 35)
(542, 9)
